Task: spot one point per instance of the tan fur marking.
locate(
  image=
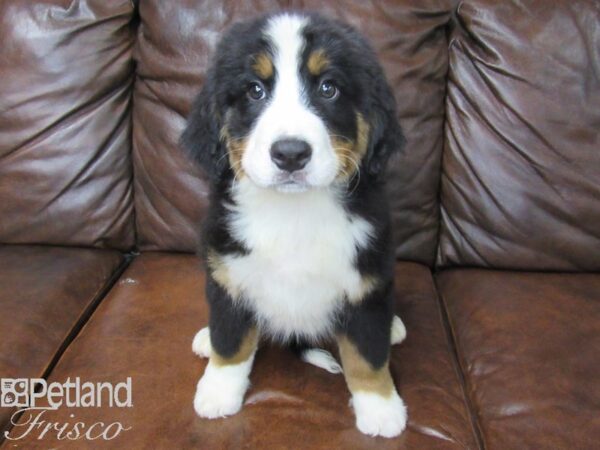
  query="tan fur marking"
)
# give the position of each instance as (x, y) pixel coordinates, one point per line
(235, 151)
(350, 152)
(246, 350)
(220, 273)
(217, 269)
(317, 62)
(359, 374)
(367, 284)
(362, 135)
(263, 66)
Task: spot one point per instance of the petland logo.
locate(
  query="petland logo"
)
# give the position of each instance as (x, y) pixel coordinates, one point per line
(33, 397)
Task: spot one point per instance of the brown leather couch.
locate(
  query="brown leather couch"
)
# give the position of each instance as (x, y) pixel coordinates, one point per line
(496, 204)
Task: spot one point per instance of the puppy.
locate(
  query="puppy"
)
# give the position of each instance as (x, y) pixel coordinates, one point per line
(294, 126)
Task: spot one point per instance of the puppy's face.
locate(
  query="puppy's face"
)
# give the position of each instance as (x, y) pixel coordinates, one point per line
(296, 102)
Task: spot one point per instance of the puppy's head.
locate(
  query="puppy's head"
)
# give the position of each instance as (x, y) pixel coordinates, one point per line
(293, 102)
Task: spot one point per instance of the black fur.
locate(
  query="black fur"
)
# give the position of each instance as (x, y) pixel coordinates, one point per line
(224, 90)
(364, 89)
(368, 324)
(228, 322)
(215, 232)
(201, 136)
(358, 74)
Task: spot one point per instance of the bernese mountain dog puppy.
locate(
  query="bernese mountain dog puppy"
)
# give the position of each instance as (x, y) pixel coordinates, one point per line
(294, 126)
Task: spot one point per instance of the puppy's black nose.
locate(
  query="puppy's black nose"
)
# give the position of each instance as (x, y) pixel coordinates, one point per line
(290, 154)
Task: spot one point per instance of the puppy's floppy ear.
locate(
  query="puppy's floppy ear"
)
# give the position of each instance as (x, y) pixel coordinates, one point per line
(386, 135)
(201, 138)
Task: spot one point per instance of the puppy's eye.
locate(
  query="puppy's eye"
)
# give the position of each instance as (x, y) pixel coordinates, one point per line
(328, 90)
(256, 91)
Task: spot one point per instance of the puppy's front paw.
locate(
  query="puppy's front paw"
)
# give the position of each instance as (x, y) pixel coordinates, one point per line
(220, 391)
(201, 343)
(379, 416)
(212, 403)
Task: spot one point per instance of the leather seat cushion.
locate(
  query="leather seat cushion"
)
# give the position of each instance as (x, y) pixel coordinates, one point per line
(529, 346)
(144, 330)
(44, 293)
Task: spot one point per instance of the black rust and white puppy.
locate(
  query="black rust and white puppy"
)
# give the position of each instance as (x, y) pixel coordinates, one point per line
(294, 125)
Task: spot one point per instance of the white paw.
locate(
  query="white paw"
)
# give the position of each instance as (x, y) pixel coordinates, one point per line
(212, 404)
(321, 358)
(398, 331)
(220, 391)
(379, 416)
(201, 343)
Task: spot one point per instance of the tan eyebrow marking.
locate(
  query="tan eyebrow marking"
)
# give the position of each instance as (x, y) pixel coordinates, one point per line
(263, 66)
(317, 62)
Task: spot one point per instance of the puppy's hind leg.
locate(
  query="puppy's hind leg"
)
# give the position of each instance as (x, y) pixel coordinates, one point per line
(398, 331)
(201, 343)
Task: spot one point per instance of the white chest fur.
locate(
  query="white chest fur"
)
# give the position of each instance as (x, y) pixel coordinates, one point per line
(301, 264)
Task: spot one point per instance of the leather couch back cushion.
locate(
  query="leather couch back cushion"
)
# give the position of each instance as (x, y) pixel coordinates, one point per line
(176, 40)
(66, 71)
(521, 165)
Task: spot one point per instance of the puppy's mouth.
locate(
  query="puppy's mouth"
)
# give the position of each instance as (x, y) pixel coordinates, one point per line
(291, 182)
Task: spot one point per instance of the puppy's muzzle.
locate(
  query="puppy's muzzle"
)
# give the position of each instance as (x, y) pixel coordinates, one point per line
(291, 154)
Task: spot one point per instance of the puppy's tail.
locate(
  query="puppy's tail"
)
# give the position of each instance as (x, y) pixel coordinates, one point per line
(316, 356)
(325, 360)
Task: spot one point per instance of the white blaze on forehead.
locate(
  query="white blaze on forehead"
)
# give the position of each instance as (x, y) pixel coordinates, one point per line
(288, 113)
(285, 35)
